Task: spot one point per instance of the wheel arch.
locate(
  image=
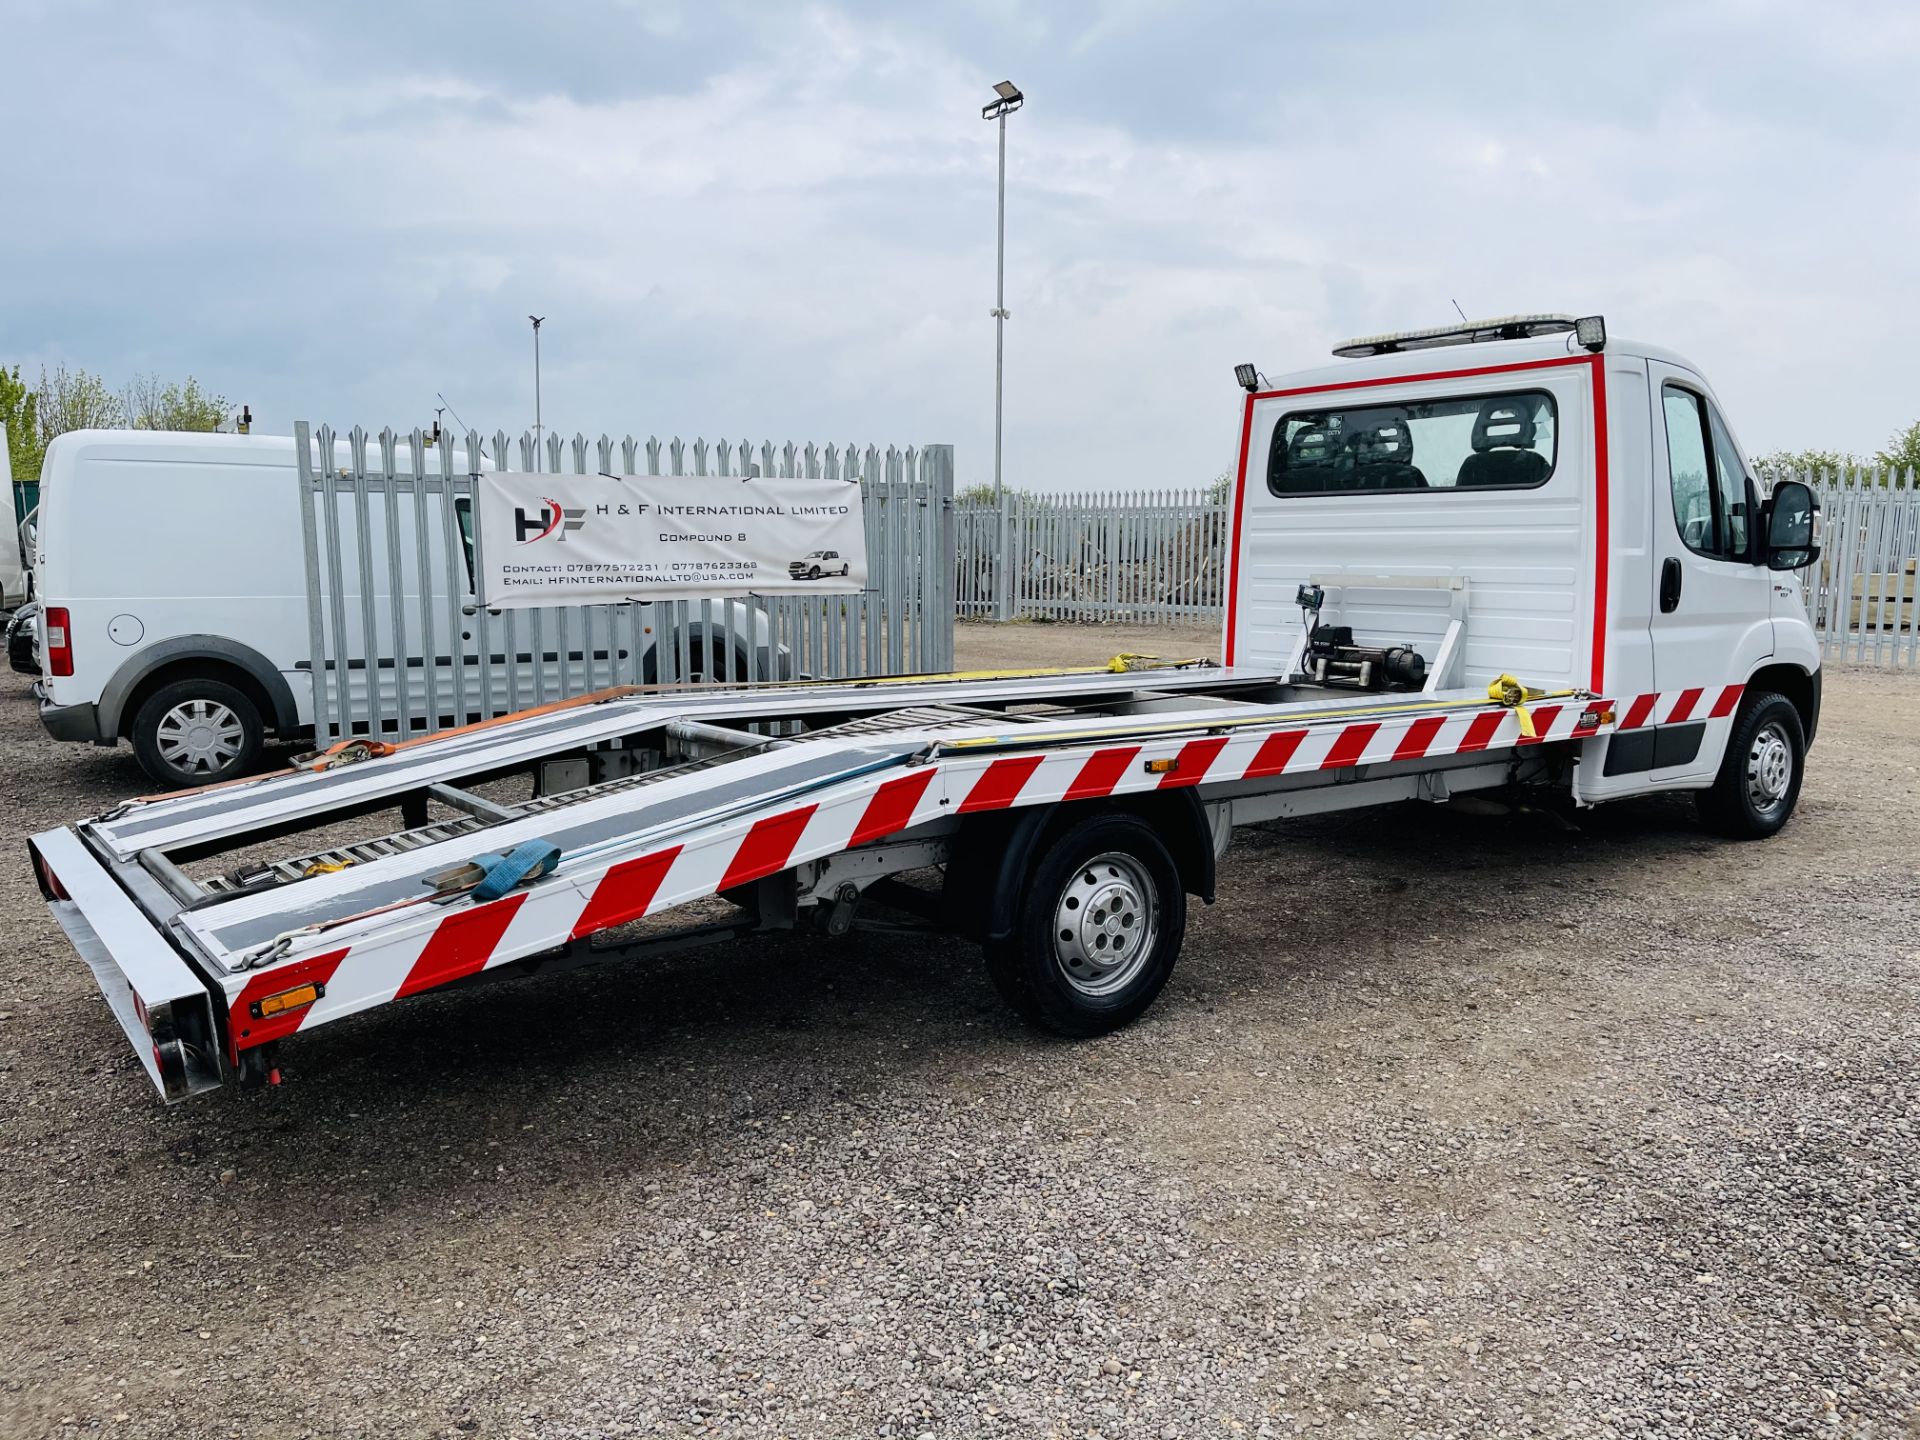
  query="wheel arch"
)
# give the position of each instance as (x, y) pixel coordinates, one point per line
(1801, 687)
(710, 636)
(754, 656)
(997, 852)
(197, 657)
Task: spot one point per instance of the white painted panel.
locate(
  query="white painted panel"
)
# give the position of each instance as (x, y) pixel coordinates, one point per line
(1527, 554)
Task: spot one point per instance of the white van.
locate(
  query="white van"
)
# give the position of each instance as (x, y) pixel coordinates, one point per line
(15, 585)
(172, 574)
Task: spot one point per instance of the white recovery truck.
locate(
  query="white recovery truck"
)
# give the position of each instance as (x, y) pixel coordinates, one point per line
(1505, 554)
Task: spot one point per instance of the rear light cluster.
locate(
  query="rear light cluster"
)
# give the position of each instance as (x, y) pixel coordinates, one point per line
(59, 638)
(50, 885)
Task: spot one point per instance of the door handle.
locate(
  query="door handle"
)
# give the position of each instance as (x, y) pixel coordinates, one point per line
(1670, 586)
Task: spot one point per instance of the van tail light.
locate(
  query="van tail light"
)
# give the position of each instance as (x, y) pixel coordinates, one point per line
(59, 640)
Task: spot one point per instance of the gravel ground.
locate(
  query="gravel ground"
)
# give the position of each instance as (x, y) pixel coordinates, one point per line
(1447, 1125)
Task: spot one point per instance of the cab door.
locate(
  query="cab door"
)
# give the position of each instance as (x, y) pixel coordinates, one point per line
(1712, 603)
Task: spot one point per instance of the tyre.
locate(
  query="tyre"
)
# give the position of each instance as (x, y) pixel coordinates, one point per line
(21, 632)
(1759, 778)
(814, 573)
(700, 670)
(194, 732)
(715, 668)
(1097, 928)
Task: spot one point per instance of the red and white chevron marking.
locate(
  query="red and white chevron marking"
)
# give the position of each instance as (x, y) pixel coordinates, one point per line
(1672, 707)
(419, 950)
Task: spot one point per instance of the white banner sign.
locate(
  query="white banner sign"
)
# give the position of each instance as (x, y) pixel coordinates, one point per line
(589, 539)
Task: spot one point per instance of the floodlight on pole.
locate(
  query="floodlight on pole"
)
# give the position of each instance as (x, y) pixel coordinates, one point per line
(1009, 100)
(537, 320)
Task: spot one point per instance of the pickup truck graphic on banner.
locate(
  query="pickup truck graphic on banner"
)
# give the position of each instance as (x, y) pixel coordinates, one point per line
(588, 539)
(817, 563)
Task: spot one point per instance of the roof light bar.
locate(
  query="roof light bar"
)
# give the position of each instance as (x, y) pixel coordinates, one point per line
(1473, 332)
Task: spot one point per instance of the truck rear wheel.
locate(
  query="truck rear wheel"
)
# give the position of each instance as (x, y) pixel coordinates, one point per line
(1097, 929)
(194, 732)
(1759, 778)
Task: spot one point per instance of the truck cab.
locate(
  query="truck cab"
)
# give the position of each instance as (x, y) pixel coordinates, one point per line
(1583, 500)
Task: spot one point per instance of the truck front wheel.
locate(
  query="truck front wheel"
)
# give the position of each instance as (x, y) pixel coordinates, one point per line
(1759, 778)
(1097, 929)
(194, 732)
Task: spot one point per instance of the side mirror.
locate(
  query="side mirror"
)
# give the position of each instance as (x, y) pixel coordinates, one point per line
(1793, 526)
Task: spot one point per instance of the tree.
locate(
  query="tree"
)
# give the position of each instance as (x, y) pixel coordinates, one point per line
(80, 400)
(979, 495)
(1793, 462)
(1901, 454)
(20, 412)
(76, 400)
(1903, 451)
(149, 404)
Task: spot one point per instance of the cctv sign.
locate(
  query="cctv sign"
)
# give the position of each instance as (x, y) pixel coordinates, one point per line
(596, 539)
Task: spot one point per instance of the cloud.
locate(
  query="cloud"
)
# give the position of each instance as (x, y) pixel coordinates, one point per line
(778, 221)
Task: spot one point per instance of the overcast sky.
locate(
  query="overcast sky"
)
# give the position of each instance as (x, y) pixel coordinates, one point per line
(776, 220)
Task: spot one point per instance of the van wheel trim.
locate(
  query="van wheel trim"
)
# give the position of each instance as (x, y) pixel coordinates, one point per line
(199, 736)
(1769, 768)
(1106, 921)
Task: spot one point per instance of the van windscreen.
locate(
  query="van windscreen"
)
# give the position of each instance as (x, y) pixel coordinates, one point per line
(1473, 442)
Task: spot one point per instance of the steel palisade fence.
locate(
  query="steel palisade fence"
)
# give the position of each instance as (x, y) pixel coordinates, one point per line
(1154, 557)
(360, 545)
(1861, 590)
(1140, 556)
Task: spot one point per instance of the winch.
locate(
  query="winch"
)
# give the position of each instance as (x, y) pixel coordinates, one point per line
(1333, 659)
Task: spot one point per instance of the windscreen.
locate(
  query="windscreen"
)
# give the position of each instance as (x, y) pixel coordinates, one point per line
(1472, 442)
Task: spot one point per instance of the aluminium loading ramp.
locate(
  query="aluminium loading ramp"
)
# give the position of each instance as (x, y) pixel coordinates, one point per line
(894, 757)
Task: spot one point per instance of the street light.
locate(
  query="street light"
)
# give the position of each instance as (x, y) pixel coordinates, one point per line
(537, 321)
(1010, 99)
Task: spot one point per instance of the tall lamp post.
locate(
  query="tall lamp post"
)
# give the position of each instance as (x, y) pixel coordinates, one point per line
(1009, 99)
(537, 321)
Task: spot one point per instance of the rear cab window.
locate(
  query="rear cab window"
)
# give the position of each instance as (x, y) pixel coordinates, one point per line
(1469, 442)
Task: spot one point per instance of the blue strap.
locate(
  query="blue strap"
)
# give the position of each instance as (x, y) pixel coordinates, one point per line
(528, 861)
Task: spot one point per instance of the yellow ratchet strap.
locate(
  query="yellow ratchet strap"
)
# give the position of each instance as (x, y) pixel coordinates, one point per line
(1511, 693)
(1119, 664)
(1126, 661)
